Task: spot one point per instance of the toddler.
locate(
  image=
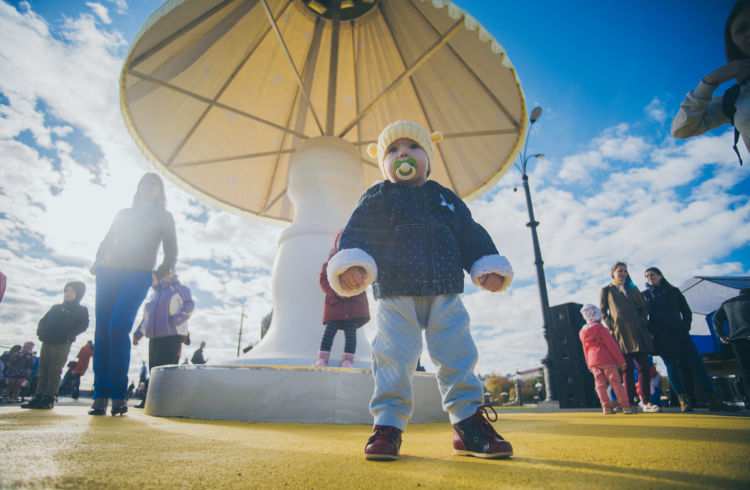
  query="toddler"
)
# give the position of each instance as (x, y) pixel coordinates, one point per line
(603, 357)
(412, 239)
(165, 322)
(340, 313)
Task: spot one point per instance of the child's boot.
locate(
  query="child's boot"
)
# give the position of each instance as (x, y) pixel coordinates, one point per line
(323, 357)
(384, 444)
(475, 436)
(347, 360)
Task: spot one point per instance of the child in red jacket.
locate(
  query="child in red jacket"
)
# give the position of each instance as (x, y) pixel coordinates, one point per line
(347, 314)
(603, 357)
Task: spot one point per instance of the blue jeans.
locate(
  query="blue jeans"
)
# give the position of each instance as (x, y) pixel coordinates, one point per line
(398, 344)
(119, 294)
(687, 361)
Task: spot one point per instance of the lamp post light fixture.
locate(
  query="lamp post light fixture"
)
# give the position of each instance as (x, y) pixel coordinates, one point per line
(524, 159)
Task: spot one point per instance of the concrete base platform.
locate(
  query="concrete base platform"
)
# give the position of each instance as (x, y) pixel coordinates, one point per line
(278, 394)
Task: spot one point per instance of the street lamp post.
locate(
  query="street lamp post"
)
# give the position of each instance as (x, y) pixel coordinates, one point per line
(546, 362)
(519, 396)
(242, 317)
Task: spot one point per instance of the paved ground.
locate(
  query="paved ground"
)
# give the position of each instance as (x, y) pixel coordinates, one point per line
(65, 448)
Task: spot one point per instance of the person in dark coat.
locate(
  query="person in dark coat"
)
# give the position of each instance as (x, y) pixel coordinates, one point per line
(18, 369)
(669, 320)
(198, 354)
(57, 330)
(66, 385)
(735, 312)
(340, 313)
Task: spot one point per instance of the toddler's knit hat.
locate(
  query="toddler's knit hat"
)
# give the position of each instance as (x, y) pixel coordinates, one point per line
(403, 129)
(591, 313)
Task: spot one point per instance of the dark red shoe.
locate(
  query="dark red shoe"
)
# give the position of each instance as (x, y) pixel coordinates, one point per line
(384, 444)
(475, 436)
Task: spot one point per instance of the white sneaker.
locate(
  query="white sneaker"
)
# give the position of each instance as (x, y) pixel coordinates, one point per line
(651, 408)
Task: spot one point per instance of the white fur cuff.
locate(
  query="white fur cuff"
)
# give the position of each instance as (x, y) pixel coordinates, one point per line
(492, 263)
(346, 258)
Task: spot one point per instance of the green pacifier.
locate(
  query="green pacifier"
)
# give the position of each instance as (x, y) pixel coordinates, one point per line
(405, 169)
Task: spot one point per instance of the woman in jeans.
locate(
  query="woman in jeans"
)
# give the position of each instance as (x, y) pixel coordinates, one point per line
(124, 272)
(669, 321)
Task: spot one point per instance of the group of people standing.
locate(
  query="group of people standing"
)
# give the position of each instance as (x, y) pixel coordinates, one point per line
(124, 270)
(641, 323)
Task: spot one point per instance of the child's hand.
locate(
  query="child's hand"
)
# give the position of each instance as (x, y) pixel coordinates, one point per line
(353, 278)
(492, 282)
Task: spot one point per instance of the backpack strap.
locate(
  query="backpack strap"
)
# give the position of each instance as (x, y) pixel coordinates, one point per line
(728, 105)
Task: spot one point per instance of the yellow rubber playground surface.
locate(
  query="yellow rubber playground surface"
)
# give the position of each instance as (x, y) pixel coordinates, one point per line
(66, 448)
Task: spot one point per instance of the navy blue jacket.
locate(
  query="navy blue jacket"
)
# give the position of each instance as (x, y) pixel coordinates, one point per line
(669, 319)
(421, 238)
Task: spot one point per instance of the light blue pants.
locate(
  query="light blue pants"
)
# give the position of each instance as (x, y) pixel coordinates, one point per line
(398, 344)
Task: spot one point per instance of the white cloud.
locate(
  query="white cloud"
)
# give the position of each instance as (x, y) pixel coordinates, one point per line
(655, 110)
(100, 11)
(122, 5)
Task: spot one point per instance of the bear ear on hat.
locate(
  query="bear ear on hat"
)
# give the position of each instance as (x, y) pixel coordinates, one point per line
(436, 136)
(372, 150)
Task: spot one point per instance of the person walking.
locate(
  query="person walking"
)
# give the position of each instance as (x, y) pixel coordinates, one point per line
(84, 356)
(124, 272)
(57, 330)
(624, 311)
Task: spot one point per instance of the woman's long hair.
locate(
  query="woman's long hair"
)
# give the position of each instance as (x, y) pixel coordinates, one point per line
(161, 200)
(731, 50)
(664, 283)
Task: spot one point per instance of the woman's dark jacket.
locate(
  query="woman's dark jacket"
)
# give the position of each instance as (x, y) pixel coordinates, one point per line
(669, 319)
(62, 323)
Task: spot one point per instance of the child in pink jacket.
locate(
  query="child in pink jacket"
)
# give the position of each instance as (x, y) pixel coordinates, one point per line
(603, 357)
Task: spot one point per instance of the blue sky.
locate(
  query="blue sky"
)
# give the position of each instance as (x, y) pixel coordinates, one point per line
(614, 184)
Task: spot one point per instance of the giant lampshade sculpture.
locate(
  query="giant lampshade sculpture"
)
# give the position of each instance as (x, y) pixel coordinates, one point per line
(266, 108)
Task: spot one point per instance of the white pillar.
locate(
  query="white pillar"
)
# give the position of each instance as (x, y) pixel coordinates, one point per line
(325, 183)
